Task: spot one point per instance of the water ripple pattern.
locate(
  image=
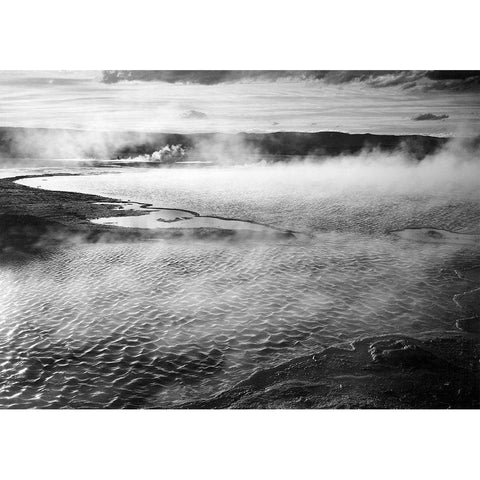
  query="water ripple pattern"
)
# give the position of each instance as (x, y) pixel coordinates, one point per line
(156, 324)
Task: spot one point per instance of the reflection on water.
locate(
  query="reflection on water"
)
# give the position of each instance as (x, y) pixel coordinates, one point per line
(170, 219)
(160, 323)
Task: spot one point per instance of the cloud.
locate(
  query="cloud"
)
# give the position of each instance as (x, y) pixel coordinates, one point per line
(194, 114)
(455, 80)
(214, 77)
(429, 116)
(206, 77)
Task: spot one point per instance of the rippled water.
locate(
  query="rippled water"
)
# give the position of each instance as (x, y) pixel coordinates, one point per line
(160, 323)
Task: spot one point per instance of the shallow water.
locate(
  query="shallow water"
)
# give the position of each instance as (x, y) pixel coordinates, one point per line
(177, 219)
(342, 197)
(160, 323)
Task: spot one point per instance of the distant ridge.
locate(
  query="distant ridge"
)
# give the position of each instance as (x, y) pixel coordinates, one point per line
(18, 142)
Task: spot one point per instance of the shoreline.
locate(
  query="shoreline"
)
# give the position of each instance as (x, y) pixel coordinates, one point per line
(33, 218)
(380, 372)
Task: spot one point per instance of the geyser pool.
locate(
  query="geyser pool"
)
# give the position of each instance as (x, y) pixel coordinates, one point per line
(160, 323)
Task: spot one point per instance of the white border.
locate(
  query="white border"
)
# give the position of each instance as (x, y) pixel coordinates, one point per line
(239, 444)
(251, 34)
(55, 34)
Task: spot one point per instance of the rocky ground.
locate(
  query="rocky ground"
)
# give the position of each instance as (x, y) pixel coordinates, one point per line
(388, 372)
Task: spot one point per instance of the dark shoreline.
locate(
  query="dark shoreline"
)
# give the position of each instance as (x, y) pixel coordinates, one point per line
(386, 372)
(379, 372)
(33, 219)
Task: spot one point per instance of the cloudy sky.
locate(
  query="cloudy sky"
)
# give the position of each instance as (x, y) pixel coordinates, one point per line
(438, 103)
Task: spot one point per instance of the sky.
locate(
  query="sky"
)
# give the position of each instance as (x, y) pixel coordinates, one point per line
(382, 103)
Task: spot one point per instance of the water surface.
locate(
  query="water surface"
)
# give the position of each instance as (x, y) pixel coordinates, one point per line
(160, 323)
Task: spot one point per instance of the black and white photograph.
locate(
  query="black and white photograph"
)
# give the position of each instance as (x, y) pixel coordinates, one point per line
(233, 239)
(239, 239)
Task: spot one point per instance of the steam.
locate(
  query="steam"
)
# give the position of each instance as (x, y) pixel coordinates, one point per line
(455, 166)
(28, 145)
(367, 192)
(454, 169)
(457, 162)
(166, 154)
